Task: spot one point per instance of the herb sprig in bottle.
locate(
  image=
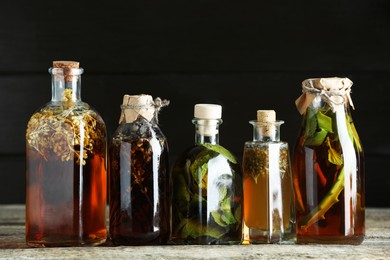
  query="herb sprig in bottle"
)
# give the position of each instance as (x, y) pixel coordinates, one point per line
(268, 194)
(207, 186)
(66, 167)
(328, 166)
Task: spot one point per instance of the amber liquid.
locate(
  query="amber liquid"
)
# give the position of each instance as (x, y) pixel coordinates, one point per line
(314, 177)
(139, 192)
(65, 202)
(268, 199)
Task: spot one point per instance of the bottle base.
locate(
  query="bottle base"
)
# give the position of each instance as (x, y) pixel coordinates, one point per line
(269, 238)
(145, 240)
(342, 240)
(253, 235)
(204, 241)
(62, 243)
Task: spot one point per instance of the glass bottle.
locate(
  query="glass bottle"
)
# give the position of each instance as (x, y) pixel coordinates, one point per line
(328, 166)
(65, 167)
(268, 193)
(139, 179)
(207, 186)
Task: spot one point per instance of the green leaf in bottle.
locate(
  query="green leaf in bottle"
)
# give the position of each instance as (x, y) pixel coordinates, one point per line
(319, 126)
(223, 216)
(199, 169)
(326, 203)
(310, 123)
(217, 218)
(324, 122)
(192, 229)
(227, 214)
(353, 134)
(333, 156)
(317, 139)
(181, 191)
(311, 135)
(221, 150)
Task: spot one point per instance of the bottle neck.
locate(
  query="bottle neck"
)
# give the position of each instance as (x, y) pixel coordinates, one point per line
(66, 85)
(206, 130)
(131, 115)
(266, 132)
(332, 103)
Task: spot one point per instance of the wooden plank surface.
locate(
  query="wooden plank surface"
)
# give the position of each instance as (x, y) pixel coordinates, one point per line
(375, 246)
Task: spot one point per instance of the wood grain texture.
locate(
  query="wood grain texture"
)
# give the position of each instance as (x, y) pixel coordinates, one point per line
(375, 245)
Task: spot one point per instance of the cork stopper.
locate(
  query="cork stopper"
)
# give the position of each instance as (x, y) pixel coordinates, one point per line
(66, 64)
(135, 105)
(207, 111)
(67, 67)
(267, 119)
(266, 116)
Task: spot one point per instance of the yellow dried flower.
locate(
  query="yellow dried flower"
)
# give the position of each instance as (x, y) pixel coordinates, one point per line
(59, 131)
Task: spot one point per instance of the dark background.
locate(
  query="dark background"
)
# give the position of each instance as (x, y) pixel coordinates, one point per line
(244, 55)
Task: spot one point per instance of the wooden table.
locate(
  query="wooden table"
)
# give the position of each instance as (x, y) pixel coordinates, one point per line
(375, 246)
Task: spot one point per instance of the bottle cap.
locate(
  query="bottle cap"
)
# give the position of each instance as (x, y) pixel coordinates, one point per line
(209, 114)
(334, 90)
(208, 111)
(135, 105)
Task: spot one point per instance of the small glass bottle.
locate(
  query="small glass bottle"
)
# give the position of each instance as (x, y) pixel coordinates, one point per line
(66, 167)
(139, 179)
(328, 166)
(268, 193)
(207, 186)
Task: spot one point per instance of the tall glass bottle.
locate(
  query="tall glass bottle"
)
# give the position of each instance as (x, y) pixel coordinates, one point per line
(207, 186)
(140, 183)
(65, 167)
(268, 193)
(328, 166)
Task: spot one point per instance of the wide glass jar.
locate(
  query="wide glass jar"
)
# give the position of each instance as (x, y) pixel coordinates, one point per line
(66, 167)
(328, 166)
(139, 179)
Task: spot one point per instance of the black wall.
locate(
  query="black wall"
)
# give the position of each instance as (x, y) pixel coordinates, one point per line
(244, 55)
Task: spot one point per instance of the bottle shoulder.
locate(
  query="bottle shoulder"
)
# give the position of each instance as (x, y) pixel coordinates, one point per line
(139, 130)
(68, 109)
(54, 116)
(249, 144)
(207, 151)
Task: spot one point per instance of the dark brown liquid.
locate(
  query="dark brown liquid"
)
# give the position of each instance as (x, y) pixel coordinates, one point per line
(139, 192)
(314, 177)
(65, 202)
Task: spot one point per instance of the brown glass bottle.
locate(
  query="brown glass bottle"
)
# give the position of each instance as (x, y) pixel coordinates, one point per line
(65, 167)
(328, 167)
(139, 178)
